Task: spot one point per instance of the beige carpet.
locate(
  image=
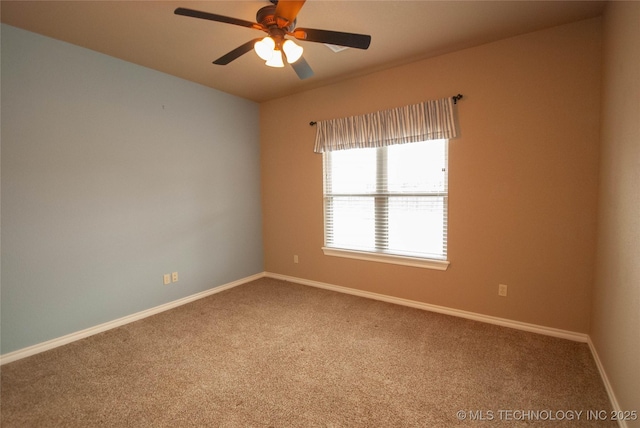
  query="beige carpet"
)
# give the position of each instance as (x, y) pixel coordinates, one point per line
(275, 354)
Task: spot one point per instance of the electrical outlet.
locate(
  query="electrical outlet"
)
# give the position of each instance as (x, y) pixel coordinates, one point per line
(174, 277)
(166, 279)
(295, 258)
(502, 290)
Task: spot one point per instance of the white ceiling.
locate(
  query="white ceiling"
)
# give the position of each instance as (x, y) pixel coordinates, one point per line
(147, 33)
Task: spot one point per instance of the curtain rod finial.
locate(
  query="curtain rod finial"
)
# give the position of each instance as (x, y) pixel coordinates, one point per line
(312, 123)
(456, 98)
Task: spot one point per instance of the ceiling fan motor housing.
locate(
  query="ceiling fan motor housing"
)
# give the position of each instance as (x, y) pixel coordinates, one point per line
(267, 17)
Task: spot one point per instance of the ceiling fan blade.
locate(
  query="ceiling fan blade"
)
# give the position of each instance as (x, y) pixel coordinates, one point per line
(302, 69)
(236, 53)
(288, 10)
(352, 40)
(218, 18)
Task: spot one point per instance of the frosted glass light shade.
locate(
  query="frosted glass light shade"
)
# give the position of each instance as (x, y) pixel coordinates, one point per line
(292, 51)
(265, 48)
(276, 60)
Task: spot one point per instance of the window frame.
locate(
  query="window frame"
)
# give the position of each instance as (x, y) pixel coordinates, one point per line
(381, 255)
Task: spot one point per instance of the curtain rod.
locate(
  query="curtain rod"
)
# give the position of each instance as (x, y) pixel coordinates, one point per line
(455, 101)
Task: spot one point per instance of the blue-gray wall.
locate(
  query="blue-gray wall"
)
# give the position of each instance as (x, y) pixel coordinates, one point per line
(112, 175)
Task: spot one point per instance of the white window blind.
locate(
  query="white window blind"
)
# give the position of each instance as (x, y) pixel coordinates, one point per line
(388, 200)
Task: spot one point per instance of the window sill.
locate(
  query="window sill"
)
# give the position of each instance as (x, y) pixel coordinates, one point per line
(387, 258)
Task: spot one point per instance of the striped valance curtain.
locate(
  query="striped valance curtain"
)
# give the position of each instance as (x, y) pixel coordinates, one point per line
(429, 120)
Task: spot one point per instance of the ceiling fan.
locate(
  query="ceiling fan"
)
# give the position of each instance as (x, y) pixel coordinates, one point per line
(278, 20)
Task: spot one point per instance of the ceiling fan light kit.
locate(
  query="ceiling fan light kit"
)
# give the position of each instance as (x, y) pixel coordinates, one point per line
(271, 52)
(278, 21)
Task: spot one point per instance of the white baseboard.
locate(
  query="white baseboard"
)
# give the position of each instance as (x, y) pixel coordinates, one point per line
(54, 343)
(607, 384)
(548, 331)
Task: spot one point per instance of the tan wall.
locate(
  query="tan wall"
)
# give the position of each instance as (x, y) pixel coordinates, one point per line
(523, 177)
(615, 329)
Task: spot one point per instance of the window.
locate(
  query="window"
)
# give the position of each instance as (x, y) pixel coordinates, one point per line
(385, 183)
(388, 204)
